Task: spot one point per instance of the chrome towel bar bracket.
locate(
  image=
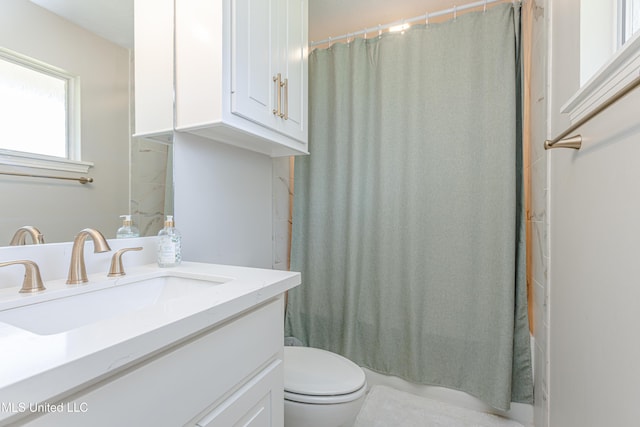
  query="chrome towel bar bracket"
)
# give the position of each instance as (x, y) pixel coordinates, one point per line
(571, 142)
(561, 141)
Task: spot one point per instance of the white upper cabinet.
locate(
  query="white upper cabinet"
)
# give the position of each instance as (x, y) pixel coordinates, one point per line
(153, 35)
(241, 73)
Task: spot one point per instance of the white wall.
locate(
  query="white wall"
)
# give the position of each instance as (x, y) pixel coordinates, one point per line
(62, 208)
(594, 200)
(223, 202)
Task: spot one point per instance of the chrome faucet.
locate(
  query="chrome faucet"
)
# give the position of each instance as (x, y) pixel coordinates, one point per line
(77, 270)
(32, 280)
(20, 237)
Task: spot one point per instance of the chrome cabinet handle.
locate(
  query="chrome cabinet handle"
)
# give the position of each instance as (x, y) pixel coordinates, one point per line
(286, 100)
(278, 85)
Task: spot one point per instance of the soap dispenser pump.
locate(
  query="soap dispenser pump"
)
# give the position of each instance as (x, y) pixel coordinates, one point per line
(127, 229)
(169, 244)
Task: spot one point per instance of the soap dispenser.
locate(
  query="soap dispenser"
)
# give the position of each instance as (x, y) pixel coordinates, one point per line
(169, 244)
(127, 229)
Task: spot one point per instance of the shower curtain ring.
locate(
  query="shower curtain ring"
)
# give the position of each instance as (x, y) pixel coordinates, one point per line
(379, 30)
(485, 6)
(426, 18)
(455, 12)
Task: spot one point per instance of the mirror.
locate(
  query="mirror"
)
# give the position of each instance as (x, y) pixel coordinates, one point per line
(131, 175)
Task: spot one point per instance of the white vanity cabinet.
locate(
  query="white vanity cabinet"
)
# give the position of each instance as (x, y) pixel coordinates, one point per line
(240, 71)
(229, 375)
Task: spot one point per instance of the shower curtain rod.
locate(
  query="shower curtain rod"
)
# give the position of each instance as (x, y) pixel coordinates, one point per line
(451, 11)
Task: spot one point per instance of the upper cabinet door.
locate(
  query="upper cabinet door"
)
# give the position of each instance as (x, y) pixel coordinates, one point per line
(153, 38)
(253, 62)
(269, 64)
(292, 60)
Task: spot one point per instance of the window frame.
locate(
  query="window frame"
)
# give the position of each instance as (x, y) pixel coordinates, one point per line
(621, 69)
(625, 19)
(73, 161)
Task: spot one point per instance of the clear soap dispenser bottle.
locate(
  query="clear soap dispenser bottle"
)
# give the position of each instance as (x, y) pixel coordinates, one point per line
(169, 244)
(127, 229)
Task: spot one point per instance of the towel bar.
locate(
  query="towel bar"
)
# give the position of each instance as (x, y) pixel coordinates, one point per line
(561, 141)
(81, 180)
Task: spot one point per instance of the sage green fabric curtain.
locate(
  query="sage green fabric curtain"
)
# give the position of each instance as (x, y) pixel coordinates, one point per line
(407, 222)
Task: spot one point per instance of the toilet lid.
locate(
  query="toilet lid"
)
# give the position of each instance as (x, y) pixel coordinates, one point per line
(316, 372)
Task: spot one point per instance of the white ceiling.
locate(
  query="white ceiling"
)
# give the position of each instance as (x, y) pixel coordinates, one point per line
(113, 19)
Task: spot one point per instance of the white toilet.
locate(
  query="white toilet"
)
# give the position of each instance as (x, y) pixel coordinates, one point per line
(321, 388)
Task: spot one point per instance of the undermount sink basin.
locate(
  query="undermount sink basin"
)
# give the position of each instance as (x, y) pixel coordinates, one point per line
(70, 312)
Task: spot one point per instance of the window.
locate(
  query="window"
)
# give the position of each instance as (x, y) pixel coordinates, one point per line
(609, 53)
(38, 114)
(605, 28)
(629, 20)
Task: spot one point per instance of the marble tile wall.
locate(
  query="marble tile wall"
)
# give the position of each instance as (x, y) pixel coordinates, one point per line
(151, 187)
(282, 190)
(535, 36)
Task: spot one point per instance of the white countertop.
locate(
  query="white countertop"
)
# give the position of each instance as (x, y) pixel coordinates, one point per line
(45, 368)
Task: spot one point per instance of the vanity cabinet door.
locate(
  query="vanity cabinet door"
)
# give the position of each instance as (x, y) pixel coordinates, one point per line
(259, 403)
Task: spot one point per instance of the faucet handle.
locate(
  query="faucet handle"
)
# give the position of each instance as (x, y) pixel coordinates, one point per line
(117, 269)
(32, 280)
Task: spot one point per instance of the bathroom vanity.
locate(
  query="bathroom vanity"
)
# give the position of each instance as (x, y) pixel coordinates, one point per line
(197, 344)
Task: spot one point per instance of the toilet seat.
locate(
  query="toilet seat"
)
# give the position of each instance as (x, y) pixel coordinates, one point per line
(316, 376)
(324, 400)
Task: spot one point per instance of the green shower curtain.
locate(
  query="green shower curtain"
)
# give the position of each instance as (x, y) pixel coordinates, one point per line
(407, 224)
